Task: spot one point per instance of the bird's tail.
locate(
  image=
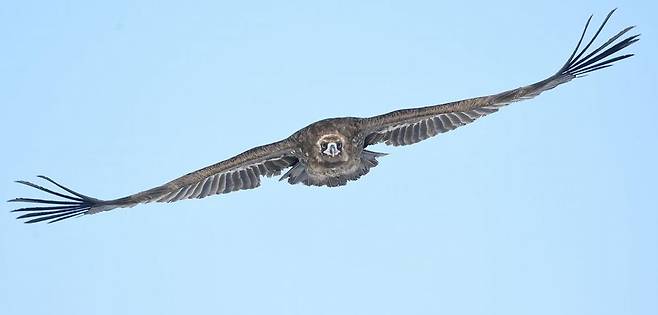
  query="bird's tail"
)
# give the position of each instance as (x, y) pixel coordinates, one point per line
(73, 204)
(578, 65)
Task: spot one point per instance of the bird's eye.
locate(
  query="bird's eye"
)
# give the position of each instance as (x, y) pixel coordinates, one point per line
(339, 145)
(323, 145)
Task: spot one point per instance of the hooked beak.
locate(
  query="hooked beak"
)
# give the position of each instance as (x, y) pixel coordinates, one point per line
(332, 149)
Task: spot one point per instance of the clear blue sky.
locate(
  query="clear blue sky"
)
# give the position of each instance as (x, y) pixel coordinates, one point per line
(547, 207)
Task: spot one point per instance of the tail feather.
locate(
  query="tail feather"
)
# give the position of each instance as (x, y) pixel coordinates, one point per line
(76, 204)
(578, 65)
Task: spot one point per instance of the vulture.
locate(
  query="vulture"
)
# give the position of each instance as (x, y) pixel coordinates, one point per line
(330, 152)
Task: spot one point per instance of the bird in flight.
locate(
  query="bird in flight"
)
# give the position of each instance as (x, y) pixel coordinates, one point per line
(332, 151)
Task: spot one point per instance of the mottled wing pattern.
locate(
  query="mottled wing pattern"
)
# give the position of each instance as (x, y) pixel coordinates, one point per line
(408, 126)
(418, 130)
(242, 171)
(244, 178)
(238, 173)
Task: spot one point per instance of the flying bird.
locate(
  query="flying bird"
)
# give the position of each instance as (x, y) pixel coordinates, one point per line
(332, 151)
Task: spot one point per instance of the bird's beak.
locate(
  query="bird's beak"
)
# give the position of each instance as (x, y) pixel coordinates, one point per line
(332, 149)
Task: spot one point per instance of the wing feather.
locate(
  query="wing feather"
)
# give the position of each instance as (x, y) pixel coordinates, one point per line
(245, 176)
(240, 172)
(408, 126)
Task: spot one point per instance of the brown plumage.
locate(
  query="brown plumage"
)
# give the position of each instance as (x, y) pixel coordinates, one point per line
(329, 152)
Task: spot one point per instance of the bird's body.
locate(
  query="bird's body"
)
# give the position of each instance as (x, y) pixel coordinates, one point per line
(330, 152)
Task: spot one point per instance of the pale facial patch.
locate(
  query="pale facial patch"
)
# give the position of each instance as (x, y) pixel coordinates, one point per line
(332, 149)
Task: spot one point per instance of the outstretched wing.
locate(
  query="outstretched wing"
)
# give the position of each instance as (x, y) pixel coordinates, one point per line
(408, 126)
(240, 172)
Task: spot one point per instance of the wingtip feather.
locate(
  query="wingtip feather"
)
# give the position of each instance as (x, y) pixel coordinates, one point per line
(56, 210)
(577, 65)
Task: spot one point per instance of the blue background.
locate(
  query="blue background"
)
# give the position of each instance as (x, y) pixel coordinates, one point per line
(547, 207)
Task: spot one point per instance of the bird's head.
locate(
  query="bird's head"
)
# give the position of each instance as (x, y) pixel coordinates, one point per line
(331, 147)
